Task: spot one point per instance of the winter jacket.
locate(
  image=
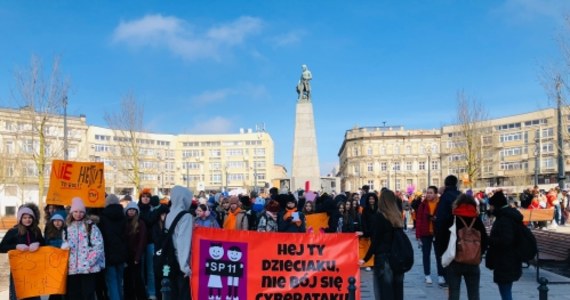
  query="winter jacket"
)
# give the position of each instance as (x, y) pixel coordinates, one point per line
(368, 215)
(12, 238)
(423, 220)
(149, 216)
(443, 235)
(136, 242)
(288, 225)
(181, 199)
(85, 259)
(336, 222)
(443, 211)
(506, 266)
(382, 237)
(209, 222)
(113, 226)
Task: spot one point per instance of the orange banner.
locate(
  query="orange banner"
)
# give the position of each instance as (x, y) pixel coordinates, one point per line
(363, 245)
(316, 221)
(272, 266)
(71, 179)
(43, 272)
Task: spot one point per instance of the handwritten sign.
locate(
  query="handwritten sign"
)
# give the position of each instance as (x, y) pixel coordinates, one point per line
(71, 179)
(317, 221)
(39, 273)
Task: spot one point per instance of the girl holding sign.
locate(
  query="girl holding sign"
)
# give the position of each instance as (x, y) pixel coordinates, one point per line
(25, 236)
(86, 253)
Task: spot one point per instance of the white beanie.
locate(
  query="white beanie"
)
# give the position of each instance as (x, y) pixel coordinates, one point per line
(77, 205)
(24, 210)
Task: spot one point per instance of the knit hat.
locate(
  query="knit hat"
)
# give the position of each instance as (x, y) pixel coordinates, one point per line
(273, 206)
(77, 205)
(24, 211)
(154, 200)
(56, 216)
(258, 204)
(498, 199)
(234, 200)
(111, 199)
(291, 198)
(132, 205)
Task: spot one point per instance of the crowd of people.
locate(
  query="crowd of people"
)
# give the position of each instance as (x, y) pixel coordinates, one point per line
(115, 251)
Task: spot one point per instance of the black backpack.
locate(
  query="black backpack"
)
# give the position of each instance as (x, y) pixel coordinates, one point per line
(166, 254)
(526, 246)
(401, 257)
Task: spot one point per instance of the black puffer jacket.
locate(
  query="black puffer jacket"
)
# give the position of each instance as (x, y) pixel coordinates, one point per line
(150, 218)
(113, 224)
(501, 258)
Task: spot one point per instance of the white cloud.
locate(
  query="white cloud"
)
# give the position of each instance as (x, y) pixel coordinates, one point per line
(209, 97)
(529, 10)
(184, 39)
(214, 125)
(290, 38)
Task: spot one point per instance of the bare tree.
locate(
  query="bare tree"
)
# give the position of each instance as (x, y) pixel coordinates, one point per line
(127, 125)
(40, 97)
(470, 126)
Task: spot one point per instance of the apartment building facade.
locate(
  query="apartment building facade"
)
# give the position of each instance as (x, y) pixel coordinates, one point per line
(201, 162)
(389, 156)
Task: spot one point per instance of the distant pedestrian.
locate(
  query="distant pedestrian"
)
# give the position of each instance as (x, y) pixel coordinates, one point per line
(425, 233)
(506, 266)
(136, 245)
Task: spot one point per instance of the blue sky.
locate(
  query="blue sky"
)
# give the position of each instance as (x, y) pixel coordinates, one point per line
(217, 66)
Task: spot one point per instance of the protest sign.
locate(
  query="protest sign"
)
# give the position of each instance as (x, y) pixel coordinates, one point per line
(71, 179)
(272, 266)
(314, 222)
(42, 272)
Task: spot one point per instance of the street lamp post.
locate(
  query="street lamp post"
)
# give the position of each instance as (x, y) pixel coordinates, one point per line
(65, 149)
(537, 156)
(561, 172)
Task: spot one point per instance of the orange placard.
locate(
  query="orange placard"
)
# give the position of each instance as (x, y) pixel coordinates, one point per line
(315, 222)
(43, 272)
(71, 179)
(269, 265)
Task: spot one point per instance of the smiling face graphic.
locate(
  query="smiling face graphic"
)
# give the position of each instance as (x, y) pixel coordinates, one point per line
(216, 251)
(234, 254)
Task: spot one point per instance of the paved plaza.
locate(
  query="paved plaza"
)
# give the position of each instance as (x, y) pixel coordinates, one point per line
(414, 286)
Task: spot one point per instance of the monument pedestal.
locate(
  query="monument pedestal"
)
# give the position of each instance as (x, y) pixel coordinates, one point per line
(305, 165)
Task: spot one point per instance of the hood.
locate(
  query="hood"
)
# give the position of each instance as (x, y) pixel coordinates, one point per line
(367, 203)
(114, 212)
(509, 212)
(180, 200)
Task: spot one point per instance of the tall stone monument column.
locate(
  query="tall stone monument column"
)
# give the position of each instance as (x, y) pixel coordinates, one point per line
(305, 156)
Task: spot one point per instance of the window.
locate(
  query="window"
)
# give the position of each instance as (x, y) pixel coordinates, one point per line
(236, 177)
(456, 157)
(102, 148)
(547, 132)
(548, 163)
(162, 143)
(234, 152)
(215, 166)
(408, 149)
(236, 164)
(192, 153)
(258, 164)
(190, 144)
(383, 150)
(356, 169)
(215, 153)
(259, 152)
(547, 148)
(370, 167)
(371, 184)
(369, 151)
(355, 151)
(408, 166)
(99, 137)
(398, 186)
(397, 166)
(383, 166)
(422, 165)
(509, 126)
(435, 165)
(192, 166)
(215, 178)
(514, 165)
(536, 122)
(29, 146)
(434, 149)
(509, 137)
(9, 147)
(396, 149)
(10, 210)
(10, 170)
(383, 182)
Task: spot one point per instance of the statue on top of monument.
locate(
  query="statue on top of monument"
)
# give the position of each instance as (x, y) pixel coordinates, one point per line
(304, 86)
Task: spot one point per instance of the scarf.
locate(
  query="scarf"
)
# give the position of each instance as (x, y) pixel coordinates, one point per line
(231, 219)
(465, 210)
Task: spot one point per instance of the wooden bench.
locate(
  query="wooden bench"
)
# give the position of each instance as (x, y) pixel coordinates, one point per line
(552, 245)
(7, 222)
(536, 215)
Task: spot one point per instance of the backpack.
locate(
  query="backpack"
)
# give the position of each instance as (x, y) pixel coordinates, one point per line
(468, 249)
(166, 254)
(526, 247)
(401, 257)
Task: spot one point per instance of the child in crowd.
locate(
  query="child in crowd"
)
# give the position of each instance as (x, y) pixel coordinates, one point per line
(204, 218)
(268, 219)
(86, 253)
(136, 245)
(25, 236)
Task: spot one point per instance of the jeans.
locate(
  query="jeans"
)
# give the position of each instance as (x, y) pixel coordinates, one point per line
(114, 280)
(505, 289)
(387, 285)
(472, 275)
(133, 285)
(148, 270)
(557, 214)
(427, 244)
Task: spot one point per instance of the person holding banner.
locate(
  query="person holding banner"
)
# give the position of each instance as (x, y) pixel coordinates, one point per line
(388, 284)
(25, 236)
(86, 253)
(291, 220)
